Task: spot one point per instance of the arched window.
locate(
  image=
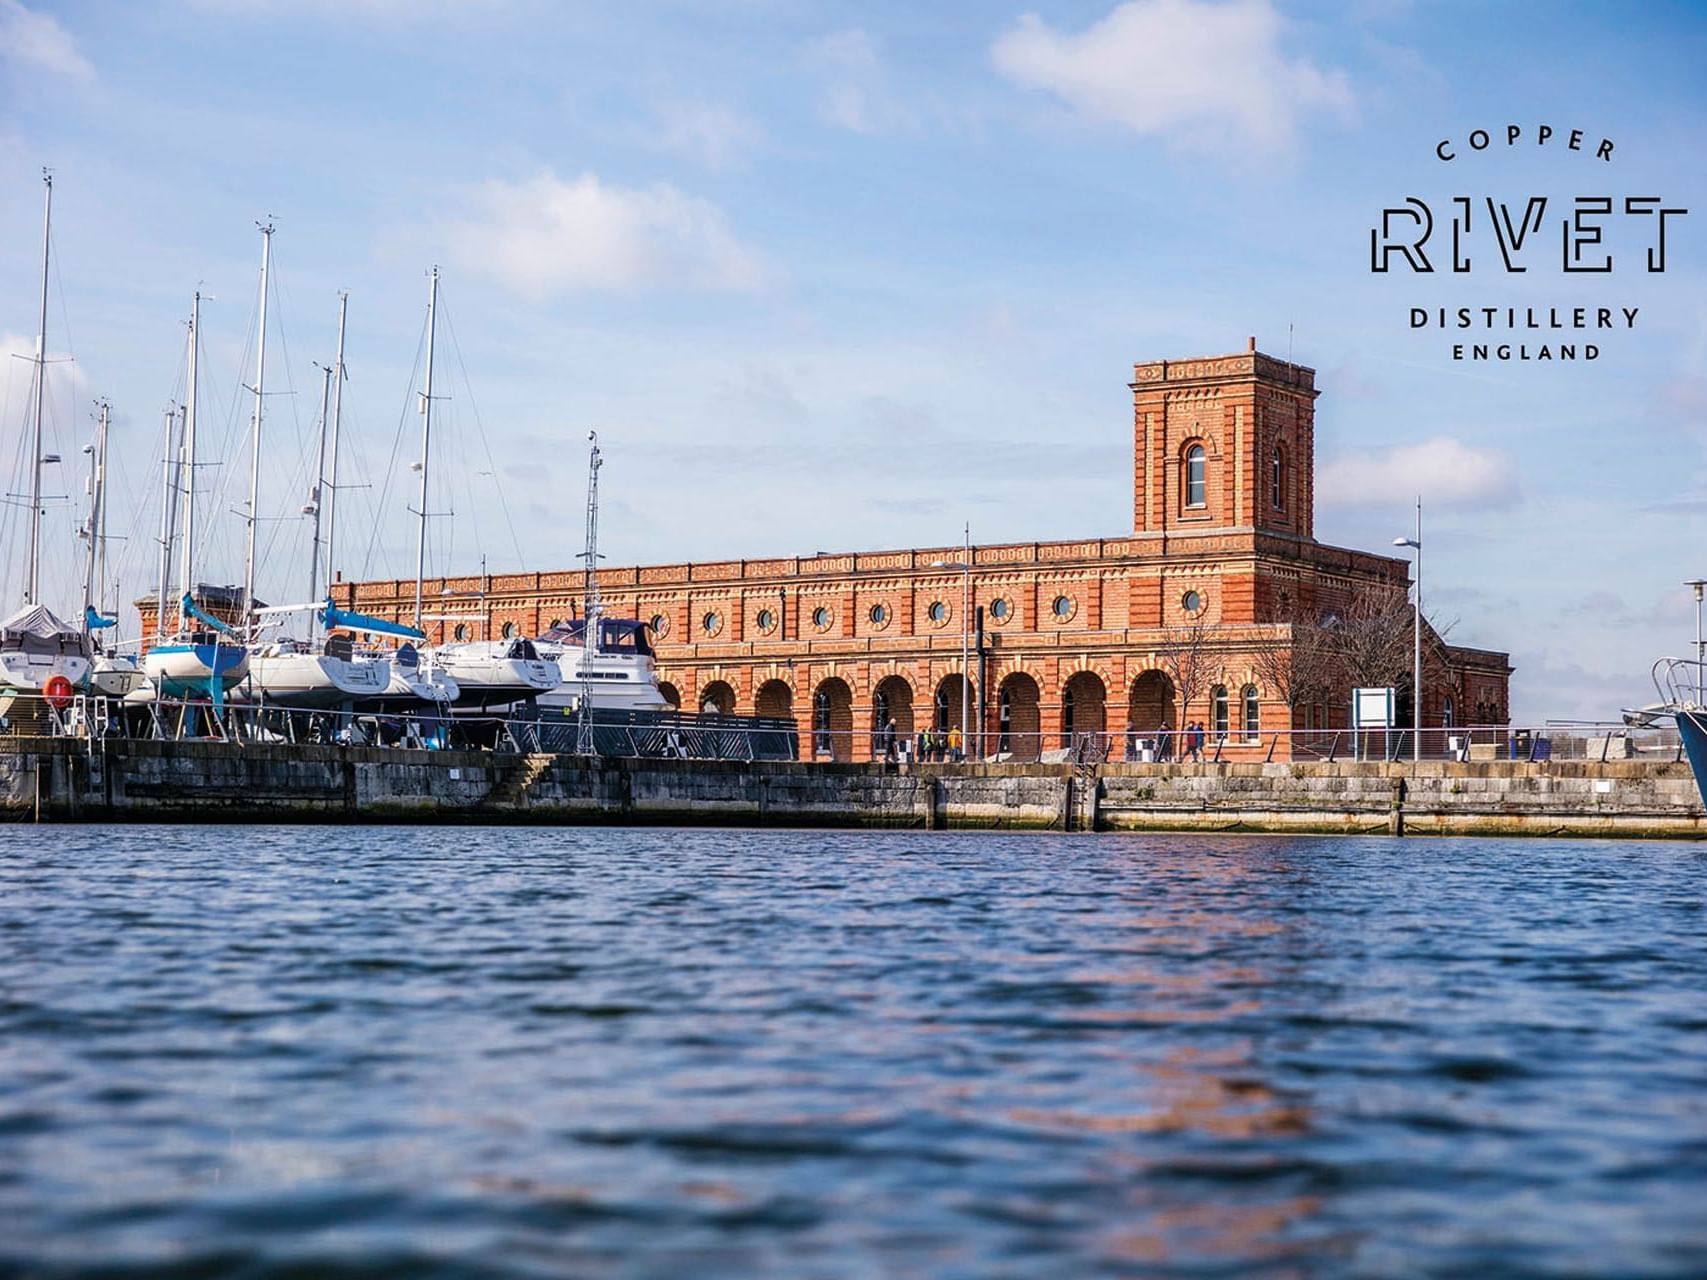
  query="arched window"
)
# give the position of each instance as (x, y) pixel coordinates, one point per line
(1277, 479)
(1446, 711)
(1253, 713)
(1218, 699)
(942, 709)
(1195, 489)
(1067, 716)
(1004, 719)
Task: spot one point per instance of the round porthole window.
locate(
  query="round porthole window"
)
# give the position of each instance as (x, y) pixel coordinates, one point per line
(938, 612)
(1191, 602)
(712, 623)
(461, 632)
(1001, 610)
(821, 617)
(555, 623)
(1063, 607)
(766, 620)
(660, 625)
(509, 631)
(879, 614)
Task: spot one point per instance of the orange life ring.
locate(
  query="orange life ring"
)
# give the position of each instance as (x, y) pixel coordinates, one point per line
(57, 691)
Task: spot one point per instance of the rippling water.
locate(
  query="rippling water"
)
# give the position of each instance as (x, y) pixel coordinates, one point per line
(301, 1052)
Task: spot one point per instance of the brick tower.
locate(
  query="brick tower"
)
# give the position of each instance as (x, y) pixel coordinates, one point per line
(1224, 443)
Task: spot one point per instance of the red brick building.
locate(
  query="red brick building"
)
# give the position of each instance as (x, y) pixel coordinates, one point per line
(1077, 636)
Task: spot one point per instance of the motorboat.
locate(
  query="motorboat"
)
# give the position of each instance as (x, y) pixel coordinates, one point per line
(35, 646)
(616, 673)
(491, 675)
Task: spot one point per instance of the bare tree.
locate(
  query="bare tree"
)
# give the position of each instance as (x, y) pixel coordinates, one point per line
(1296, 663)
(1371, 638)
(1190, 662)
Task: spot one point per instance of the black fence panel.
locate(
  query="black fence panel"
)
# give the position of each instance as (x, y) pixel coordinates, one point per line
(660, 735)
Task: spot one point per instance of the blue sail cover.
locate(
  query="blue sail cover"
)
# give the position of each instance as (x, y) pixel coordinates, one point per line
(334, 617)
(188, 606)
(93, 621)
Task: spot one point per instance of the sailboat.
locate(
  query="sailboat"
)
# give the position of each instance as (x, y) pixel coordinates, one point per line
(205, 656)
(331, 672)
(38, 652)
(487, 675)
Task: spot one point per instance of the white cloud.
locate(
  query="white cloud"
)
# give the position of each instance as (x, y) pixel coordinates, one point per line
(1203, 75)
(717, 136)
(36, 40)
(1445, 471)
(856, 93)
(549, 235)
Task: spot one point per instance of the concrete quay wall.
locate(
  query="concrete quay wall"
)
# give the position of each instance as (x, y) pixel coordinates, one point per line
(58, 779)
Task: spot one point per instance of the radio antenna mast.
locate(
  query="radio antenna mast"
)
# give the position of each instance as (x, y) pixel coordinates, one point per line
(591, 607)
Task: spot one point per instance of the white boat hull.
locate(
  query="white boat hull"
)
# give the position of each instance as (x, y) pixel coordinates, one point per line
(489, 680)
(609, 681)
(29, 673)
(114, 677)
(192, 670)
(312, 680)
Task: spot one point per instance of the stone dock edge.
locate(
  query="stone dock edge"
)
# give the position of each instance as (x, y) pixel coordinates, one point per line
(66, 780)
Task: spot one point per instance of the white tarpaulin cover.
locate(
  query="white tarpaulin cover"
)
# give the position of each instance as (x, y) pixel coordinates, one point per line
(34, 629)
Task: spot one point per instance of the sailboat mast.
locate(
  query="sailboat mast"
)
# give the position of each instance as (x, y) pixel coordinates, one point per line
(100, 527)
(330, 486)
(32, 590)
(319, 487)
(426, 446)
(255, 427)
(170, 466)
(92, 526)
(187, 458)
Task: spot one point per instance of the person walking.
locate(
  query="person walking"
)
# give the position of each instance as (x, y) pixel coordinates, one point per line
(1194, 742)
(955, 745)
(889, 735)
(1164, 742)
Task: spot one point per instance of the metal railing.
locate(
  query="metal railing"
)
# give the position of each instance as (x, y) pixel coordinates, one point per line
(640, 734)
(673, 735)
(1575, 740)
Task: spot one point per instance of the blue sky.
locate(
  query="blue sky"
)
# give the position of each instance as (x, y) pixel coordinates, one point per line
(834, 276)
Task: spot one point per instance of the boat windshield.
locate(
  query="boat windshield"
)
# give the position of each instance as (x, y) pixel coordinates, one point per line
(616, 635)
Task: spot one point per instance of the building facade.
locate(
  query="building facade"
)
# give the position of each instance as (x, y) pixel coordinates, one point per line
(1107, 640)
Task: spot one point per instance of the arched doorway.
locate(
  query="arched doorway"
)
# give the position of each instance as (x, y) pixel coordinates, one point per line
(950, 691)
(1149, 711)
(1082, 708)
(1017, 718)
(891, 700)
(717, 698)
(672, 695)
(774, 698)
(832, 720)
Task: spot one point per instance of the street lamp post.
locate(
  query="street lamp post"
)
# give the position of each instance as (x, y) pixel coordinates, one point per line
(1696, 585)
(965, 567)
(1416, 638)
